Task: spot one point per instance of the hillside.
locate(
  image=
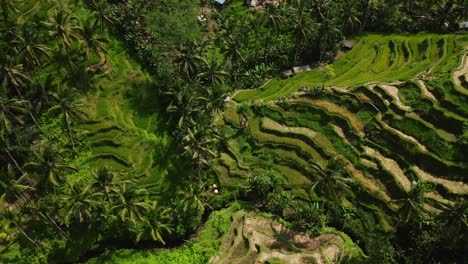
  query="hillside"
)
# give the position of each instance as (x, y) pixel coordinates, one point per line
(395, 114)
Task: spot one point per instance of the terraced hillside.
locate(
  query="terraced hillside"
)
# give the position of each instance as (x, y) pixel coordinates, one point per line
(123, 135)
(396, 114)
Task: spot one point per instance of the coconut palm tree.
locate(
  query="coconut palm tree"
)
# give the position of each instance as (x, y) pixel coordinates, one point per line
(349, 17)
(76, 204)
(328, 34)
(15, 219)
(412, 203)
(65, 29)
(188, 60)
(68, 106)
(185, 103)
(303, 30)
(330, 181)
(232, 49)
(157, 219)
(102, 13)
(131, 204)
(47, 165)
(214, 99)
(13, 75)
(13, 186)
(199, 143)
(92, 42)
(275, 17)
(107, 182)
(8, 7)
(455, 218)
(30, 50)
(12, 111)
(212, 71)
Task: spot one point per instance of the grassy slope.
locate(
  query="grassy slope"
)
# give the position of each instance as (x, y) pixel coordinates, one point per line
(373, 58)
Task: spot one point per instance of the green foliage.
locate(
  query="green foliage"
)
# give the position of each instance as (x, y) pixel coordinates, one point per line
(261, 184)
(186, 254)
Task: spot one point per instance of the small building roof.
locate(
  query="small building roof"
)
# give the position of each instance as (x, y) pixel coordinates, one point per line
(463, 25)
(220, 1)
(348, 43)
(299, 69)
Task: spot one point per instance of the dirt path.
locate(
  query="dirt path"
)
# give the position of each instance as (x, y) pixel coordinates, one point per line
(333, 108)
(462, 71)
(442, 133)
(452, 186)
(393, 92)
(436, 197)
(273, 125)
(372, 185)
(403, 135)
(424, 90)
(391, 166)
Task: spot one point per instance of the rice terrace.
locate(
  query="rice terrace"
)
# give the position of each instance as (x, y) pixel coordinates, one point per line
(233, 131)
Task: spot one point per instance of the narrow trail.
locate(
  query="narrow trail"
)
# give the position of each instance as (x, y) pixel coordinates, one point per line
(462, 71)
(393, 92)
(425, 91)
(392, 166)
(452, 186)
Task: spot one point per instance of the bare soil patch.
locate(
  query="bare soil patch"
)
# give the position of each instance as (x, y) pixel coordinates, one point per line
(424, 90)
(461, 71)
(452, 186)
(391, 166)
(255, 239)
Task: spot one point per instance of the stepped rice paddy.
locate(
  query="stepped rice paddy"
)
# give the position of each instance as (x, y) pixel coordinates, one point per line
(395, 113)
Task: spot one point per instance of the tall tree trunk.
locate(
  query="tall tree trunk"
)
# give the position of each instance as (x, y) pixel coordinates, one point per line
(29, 110)
(14, 161)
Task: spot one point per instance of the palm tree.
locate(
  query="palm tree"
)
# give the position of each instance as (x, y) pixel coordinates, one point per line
(349, 18)
(29, 50)
(412, 203)
(188, 60)
(303, 30)
(156, 222)
(92, 42)
(455, 218)
(14, 218)
(232, 49)
(48, 162)
(185, 103)
(12, 112)
(256, 22)
(13, 75)
(275, 18)
(329, 180)
(64, 28)
(214, 97)
(106, 181)
(102, 14)
(212, 72)
(68, 107)
(194, 197)
(12, 186)
(76, 204)
(8, 6)
(131, 204)
(329, 33)
(199, 144)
